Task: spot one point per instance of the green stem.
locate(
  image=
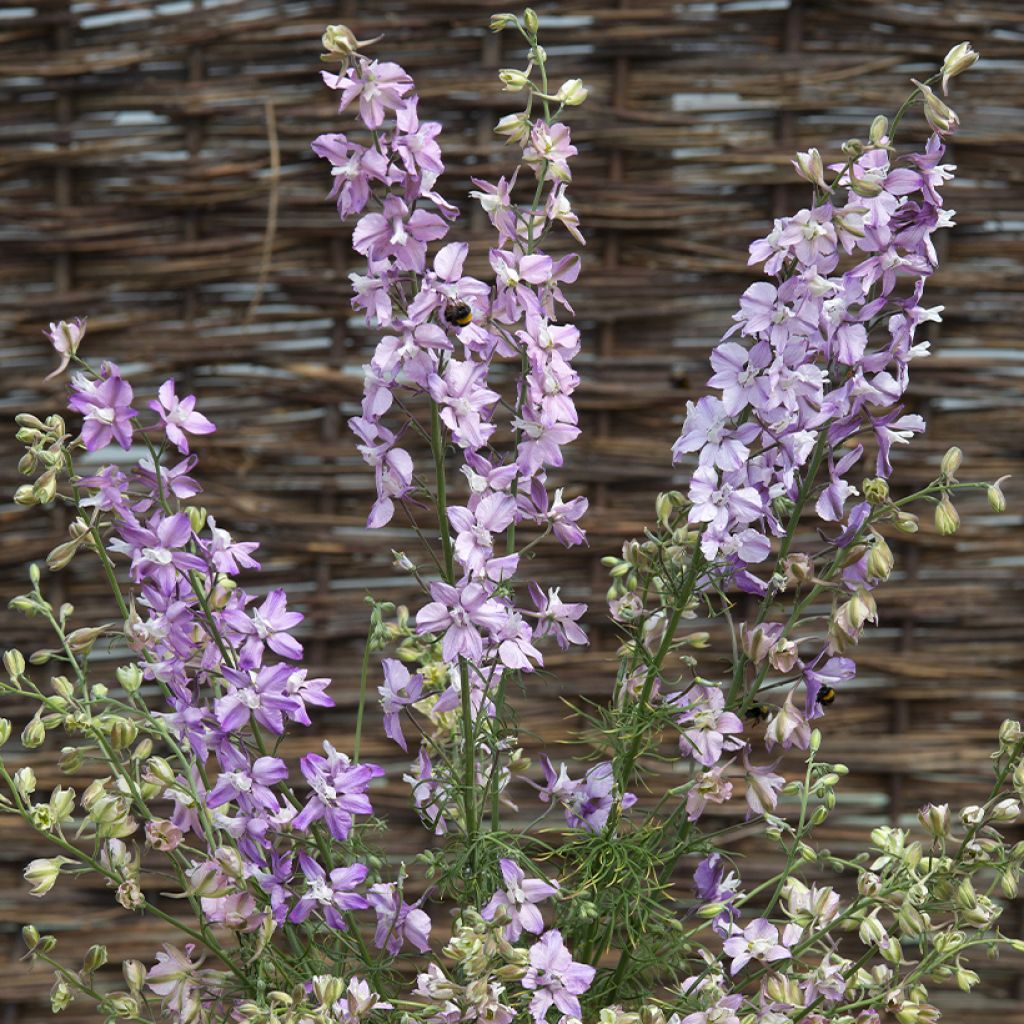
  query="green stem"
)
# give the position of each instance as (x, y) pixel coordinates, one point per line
(362, 697)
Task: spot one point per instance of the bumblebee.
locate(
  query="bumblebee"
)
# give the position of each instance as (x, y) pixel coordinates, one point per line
(758, 712)
(458, 313)
(826, 695)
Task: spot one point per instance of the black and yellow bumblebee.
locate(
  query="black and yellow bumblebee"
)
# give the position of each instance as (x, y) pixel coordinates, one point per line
(758, 712)
(826, 695)
(458, 313)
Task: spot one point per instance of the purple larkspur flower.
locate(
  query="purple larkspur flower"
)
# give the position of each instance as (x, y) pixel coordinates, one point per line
(338, 791)
(106, 407)
(332, 894)
(758, 941)
(398, 922)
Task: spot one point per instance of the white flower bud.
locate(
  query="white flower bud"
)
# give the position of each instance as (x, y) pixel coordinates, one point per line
(1006, 811)
(513, 79)
(957, 61)
(572, 93)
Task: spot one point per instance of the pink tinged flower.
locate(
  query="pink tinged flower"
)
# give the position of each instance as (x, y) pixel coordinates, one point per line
(338, 791)
(398, 922)
(738, 374)
(549, 151)
(105, 405)
(556, 618)
(515, 649)
(372, 295)
(474, 541)
(416, 143)
(460, 613)
(398, 233)
(65, 337)
(707, 729)
(555, 978)
(393, 468)
(496, 201)
(789, 727)
(331, 894)
(466, 402)
(179, 416)
(893, 429)
(400, 690)
(758, 941)
(722, 1012)
(763, 786)
(175, 978)
(378, 87)
(710, 787)
(541, 442)
(520, 898)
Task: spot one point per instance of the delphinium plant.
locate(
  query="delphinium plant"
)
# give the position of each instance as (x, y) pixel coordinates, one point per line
(290, 912)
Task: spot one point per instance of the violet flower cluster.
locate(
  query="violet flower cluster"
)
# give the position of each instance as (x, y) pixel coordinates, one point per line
(291, 917)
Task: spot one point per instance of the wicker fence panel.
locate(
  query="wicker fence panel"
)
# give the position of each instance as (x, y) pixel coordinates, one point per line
(155, 174)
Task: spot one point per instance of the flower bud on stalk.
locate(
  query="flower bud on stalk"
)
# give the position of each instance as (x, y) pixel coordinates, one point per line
(957, 61)
(947, 519)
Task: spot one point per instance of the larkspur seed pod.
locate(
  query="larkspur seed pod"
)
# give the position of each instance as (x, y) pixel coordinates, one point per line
(906, 522)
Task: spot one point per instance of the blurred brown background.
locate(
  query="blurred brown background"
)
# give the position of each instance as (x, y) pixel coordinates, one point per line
(155, 175)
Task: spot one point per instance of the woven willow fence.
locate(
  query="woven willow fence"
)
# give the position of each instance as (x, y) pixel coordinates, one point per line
(155, 174)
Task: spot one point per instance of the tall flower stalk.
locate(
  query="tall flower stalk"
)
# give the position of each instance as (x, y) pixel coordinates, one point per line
(289, 914)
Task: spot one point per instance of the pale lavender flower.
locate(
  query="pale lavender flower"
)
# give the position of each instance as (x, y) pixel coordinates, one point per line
(556, 617)
(397, 921)
(707, 730)
(378, 87)
(520, 898)
(269, 624)
(460, 612)
(554, 977)
(400, 689)
(179, 416)
(758, 941)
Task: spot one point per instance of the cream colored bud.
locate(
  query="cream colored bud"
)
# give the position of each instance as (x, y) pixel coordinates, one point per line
(951, 462)
(5, 730)
(34, 733)
(530, 21)
(810, 167)
(880, 559)
(1006, 811)
(95, 958)
(123, 733)
(196, 517)
(572, 92)
(42, 873)
(513, 79)
(129, 678)
(500, 22)
(957, 61)
(939, 116)
(514, 127)
(879, 130)
(936, 819)
(159, 769)
(25, 782)
(996, 498)
(947, 519)
(863, 187)
(339, 40)
(906, 522)
(14, 663)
